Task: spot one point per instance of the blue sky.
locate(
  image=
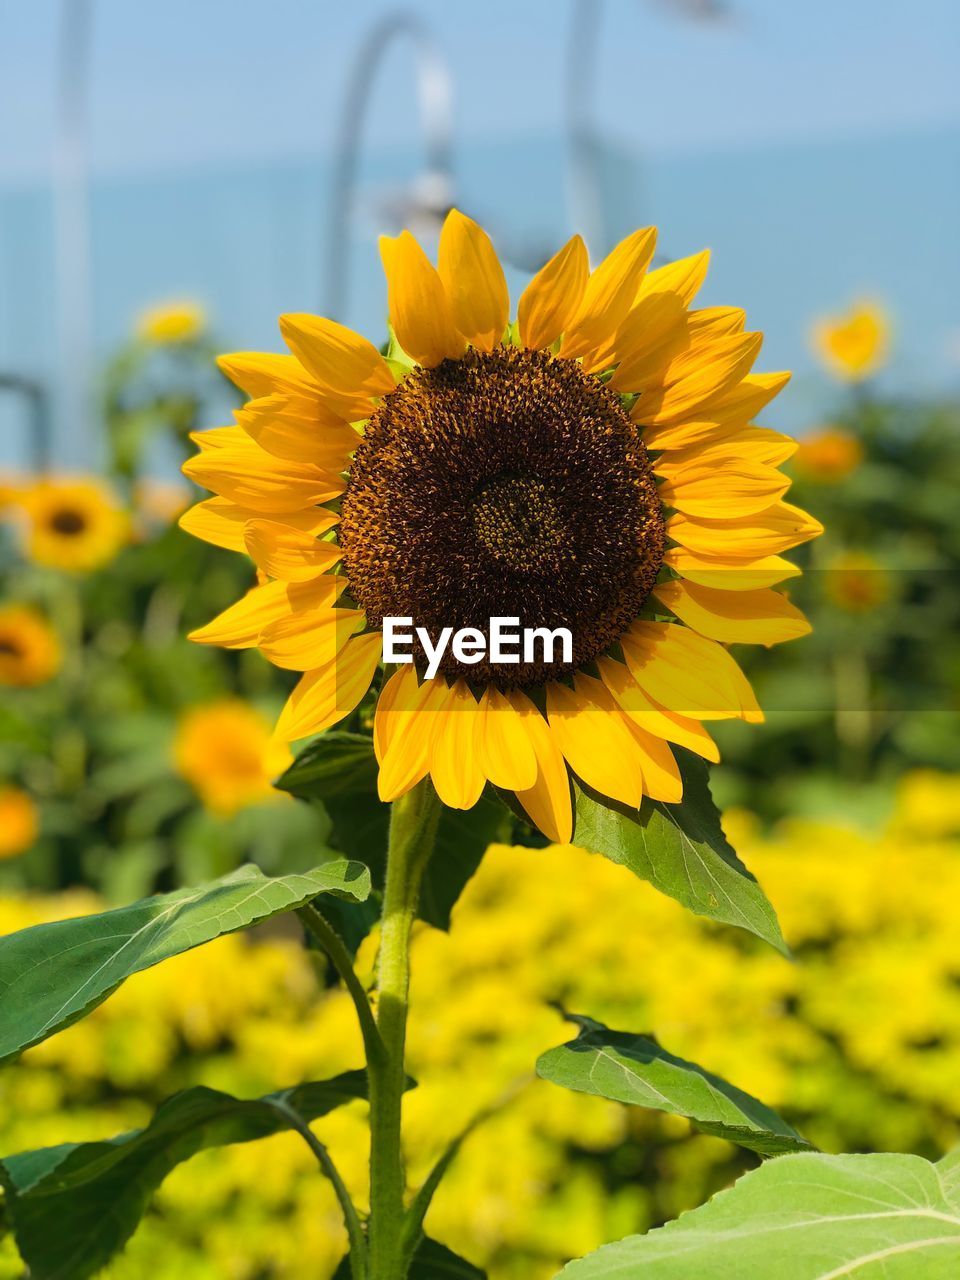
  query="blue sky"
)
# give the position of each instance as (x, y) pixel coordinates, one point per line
(814, 146)
(190, 82)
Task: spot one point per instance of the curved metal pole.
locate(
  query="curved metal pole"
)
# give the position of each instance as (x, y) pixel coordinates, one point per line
(72, 230)
(585, 189)
(435, 92)
(583, 178)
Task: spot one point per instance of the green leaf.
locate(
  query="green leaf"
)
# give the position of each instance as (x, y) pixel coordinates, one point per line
(637, 1070)
(432, 1261)
(72, 1207)
(340, 771)
(53, 974)
(334, 765)
(805, 1217)
(681, 850)
(463, 836)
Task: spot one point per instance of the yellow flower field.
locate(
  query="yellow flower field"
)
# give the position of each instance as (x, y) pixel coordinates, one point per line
(857, 1044)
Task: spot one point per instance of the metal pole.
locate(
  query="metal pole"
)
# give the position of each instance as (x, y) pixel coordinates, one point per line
(38, 417)
(72, 230)
(584, 190)
(435, 92)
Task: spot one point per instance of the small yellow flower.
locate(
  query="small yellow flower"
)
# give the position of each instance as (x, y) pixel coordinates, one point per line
(29, 649)
(74, 524)
(19, 822)
(829, 455)
(173, 322)
(855, 344)
(857, 582)
(226, 751)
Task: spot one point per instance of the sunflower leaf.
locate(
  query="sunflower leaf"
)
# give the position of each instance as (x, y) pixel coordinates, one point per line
(339, 770)
(636, 1070)
(681, 850)
(432, 1261)
(804, 1217)
(53, 974)
(73, 1206)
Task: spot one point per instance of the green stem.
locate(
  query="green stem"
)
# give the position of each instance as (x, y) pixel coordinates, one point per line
(413, 830)
(332, 944)
(358, 1246)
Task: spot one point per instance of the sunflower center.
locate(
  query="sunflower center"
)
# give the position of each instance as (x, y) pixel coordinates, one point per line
(9, 648)
(68, 522)
(517, 521)
(503, 484)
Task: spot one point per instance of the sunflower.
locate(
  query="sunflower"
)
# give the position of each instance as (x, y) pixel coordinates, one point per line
(74, 524)
(828, 455)
(172, 323)
(226, 751)
(30, 652)
(591, 465)
(19, 822)
(854, 345)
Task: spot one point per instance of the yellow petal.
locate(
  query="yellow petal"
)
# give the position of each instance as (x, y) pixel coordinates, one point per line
(300, 430)
(283, 552)
(553, 296)
(594, 739)
(262, 373)
(504, 751)
(652, 335)
(683, 277)
(686, 673)
(221, 522)
(661, 773)
(308, 639)
(349, 368)
(778, 528)
(698, 376)
(609, 295)
(454, 763)
(474, 281)
(419, 308)
(708, 443)
(734, 617)
(547, 802)
(213, 438)
(404, 727)
(239, 626)
(253, 478)
(722, 490)
(733, 408)
(730, 574)
(657, 331)
(716, 321)
(652, 718)
(326, 695)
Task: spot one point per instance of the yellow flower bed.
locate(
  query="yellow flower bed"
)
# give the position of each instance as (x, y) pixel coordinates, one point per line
(862, 1033)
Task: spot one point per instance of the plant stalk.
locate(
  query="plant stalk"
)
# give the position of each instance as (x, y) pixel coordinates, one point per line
(413, 830)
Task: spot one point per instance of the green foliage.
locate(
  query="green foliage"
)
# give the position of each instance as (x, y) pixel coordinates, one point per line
(53, 974)
(432, 1261)
(639, 1071)
(806, 1217)
(73, 1206)
(868, 694)
(339, 770)
(681, 850)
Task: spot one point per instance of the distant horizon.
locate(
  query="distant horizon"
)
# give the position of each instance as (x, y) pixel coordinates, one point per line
(247, 241)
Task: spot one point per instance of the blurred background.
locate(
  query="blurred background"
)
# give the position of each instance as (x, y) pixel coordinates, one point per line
(174, 177)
